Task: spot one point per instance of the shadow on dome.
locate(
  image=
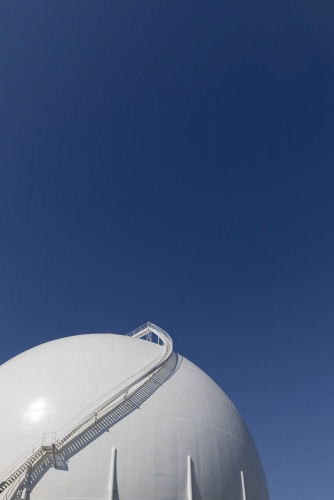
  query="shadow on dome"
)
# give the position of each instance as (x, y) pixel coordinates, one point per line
(118, 412)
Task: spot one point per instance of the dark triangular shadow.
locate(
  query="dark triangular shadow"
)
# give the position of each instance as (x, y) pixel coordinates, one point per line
(196, 493)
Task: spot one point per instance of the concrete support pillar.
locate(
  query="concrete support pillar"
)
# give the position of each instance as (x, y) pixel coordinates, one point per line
(112, 473)
(243, 486)
(189, 479)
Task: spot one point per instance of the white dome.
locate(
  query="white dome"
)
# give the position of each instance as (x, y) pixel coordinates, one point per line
(178, 412)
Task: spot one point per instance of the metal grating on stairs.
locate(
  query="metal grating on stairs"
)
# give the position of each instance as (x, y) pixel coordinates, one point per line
(54, 442)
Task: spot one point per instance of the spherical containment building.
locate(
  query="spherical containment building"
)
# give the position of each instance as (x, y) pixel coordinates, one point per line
(111, 417)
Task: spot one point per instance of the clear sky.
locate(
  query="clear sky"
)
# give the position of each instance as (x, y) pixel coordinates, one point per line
(172, 161)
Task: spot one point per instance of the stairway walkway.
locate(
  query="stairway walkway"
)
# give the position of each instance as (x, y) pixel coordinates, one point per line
(55, 442)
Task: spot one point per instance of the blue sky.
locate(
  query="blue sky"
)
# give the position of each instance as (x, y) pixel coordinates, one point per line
(173, 162)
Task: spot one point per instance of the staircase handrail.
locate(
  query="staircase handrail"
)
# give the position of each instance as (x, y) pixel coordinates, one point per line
(99, 404)
(92, 410)
(21, 460)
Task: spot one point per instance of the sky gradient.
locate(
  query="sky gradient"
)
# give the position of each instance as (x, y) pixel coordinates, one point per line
(173, 162)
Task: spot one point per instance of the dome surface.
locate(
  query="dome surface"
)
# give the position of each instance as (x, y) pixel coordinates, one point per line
(178, 412)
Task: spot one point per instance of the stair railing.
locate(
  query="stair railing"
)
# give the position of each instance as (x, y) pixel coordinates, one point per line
(91, 413)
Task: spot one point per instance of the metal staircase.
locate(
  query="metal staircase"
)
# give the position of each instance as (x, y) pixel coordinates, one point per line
(55, 442)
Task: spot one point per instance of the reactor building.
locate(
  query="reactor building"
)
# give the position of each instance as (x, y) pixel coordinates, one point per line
(113, 417)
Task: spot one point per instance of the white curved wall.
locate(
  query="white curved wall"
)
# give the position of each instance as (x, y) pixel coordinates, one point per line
(45, 387)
